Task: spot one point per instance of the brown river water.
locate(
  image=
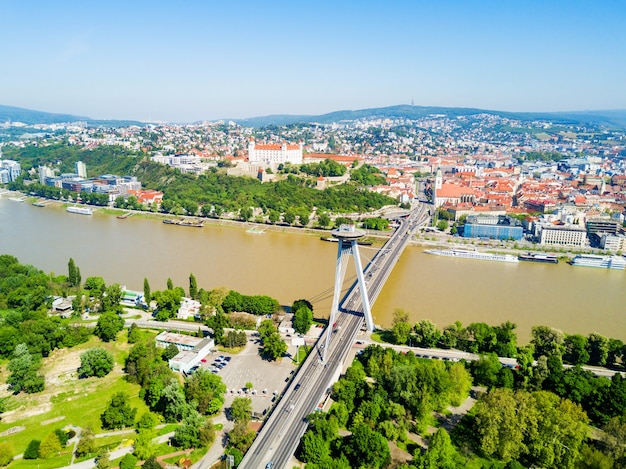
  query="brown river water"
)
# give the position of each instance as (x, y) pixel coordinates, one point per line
(290, 266)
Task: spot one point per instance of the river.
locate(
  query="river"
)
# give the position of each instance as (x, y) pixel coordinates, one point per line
(290, 266)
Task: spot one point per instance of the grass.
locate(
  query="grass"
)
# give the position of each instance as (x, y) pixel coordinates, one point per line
(302, 354)
(79, 402)
(383, 336)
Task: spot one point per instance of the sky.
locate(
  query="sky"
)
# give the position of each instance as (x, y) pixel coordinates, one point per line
(184, 61)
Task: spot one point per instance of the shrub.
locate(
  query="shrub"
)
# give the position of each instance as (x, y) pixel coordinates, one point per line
(6, 453)
(32, 450)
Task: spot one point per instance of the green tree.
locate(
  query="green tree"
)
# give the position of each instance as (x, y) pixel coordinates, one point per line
(302, 320)
(118, 413)
(241, 437)
(109, 324)
(95, 285)
(50, 446)
(95, 362)
(241, 409)
(426, 333)
(144, 447)
(32, 450)
(103, 460)
(151, 463)
(24, 369)
(147, 421)
(146, 291)
(368, 447)
(400, 326)
(323, 220)
(547, 341)
(598, 349)
(193, 286)
(134, 334)
(169, 352)
(440, 453)
(86, 445)
(170, 284)
(575, 350)
(313, 448)
(187, 435)
(111, 298)
(6, 453)
(128, 461)
(274, 346)
(72, 275)
(207, 389)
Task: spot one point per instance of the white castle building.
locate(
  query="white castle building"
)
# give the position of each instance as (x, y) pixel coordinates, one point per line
(274, 153)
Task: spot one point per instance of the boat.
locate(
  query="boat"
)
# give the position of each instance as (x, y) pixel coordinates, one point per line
(39, 204)
(183, 222)
(80, 210)
(468, 254)
(539, 257)
(602, 262)
(125, 215)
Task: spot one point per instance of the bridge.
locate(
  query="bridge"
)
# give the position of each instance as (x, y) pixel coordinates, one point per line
(278, 439)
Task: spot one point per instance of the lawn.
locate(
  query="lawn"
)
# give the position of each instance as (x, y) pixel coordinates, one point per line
(67, 400)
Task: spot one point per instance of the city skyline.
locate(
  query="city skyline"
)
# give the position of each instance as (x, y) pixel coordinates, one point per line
(194, 61)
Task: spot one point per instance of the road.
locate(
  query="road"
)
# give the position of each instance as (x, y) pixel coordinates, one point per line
(279, 437)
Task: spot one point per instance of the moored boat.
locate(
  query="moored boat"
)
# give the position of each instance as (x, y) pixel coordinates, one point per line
(79, 210)
(603, 262)
(468, 254)
(539, 257)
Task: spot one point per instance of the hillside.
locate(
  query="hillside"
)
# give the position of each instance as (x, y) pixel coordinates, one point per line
(30, 117)
(612, 118)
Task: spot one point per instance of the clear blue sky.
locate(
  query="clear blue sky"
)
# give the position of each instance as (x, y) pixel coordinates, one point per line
(207, 59)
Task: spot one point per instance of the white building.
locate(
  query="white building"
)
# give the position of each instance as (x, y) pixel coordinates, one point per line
(612, 242)
(192, 349)
(9, 171)
(188, 309)
(80, 168)
(45, 172)
(562, 235)
(274, 153)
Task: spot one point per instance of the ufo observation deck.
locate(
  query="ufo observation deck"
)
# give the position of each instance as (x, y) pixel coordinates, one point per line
(347, 233)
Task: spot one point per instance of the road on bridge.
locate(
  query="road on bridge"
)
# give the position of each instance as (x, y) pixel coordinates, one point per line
(279, 437)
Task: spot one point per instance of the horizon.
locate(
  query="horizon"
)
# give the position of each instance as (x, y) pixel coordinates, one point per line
(158, 62)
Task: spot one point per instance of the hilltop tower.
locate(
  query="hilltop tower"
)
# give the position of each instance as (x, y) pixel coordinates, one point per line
(347, 237)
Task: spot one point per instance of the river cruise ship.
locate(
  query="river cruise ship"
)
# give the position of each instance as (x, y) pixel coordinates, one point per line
(80, 210)
(602, 262)
(467, 254)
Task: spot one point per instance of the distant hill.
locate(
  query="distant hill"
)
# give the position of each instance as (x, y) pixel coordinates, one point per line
(613, 119)
(29, 116)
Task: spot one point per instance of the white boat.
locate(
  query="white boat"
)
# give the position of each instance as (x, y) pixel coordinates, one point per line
(467, 254)
(80, 210)
(602, 262)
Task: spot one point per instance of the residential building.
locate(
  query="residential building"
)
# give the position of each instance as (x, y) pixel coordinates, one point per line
(80, 169)
(9, 171)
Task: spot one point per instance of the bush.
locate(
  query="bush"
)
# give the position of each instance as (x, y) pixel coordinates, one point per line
(32, 450)
(6, 453)
(95, 362)
(129, 461)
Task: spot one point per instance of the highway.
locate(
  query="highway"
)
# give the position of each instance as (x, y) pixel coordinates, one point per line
(279, 437)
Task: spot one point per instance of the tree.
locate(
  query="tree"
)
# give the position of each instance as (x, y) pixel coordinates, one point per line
(151, 463)
(109, 324)
(274, 346)
(241, 409)
(73, 274)
(32, 450)
(95, 285)
(187, 435)
(426, 333)
(401, 327)
(170, 284)
(103, 460)
(50, 446)
(95, 362)
(302, 320)
(193, 286)
(147, 421)
(241, 437)
(170, 352)
(547, 341)
(440, 453)
(24, 369)
(598, 349)
(575, 350)
(144, 447)
(111, 298)
(368, 447)
(323, 220)
(6, 453)
(118, 413)
(314, 448)
(146, 291)
(86, 444)
(134, 334)
(207, 389)
(129, 461)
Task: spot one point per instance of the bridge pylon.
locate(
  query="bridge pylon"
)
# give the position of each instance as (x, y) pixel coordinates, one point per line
(347, 237)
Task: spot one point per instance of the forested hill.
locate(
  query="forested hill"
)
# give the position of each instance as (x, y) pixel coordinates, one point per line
(30, 117)
(613, 118)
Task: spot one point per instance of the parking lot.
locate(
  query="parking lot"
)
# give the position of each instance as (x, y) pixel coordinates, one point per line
(267, 377)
